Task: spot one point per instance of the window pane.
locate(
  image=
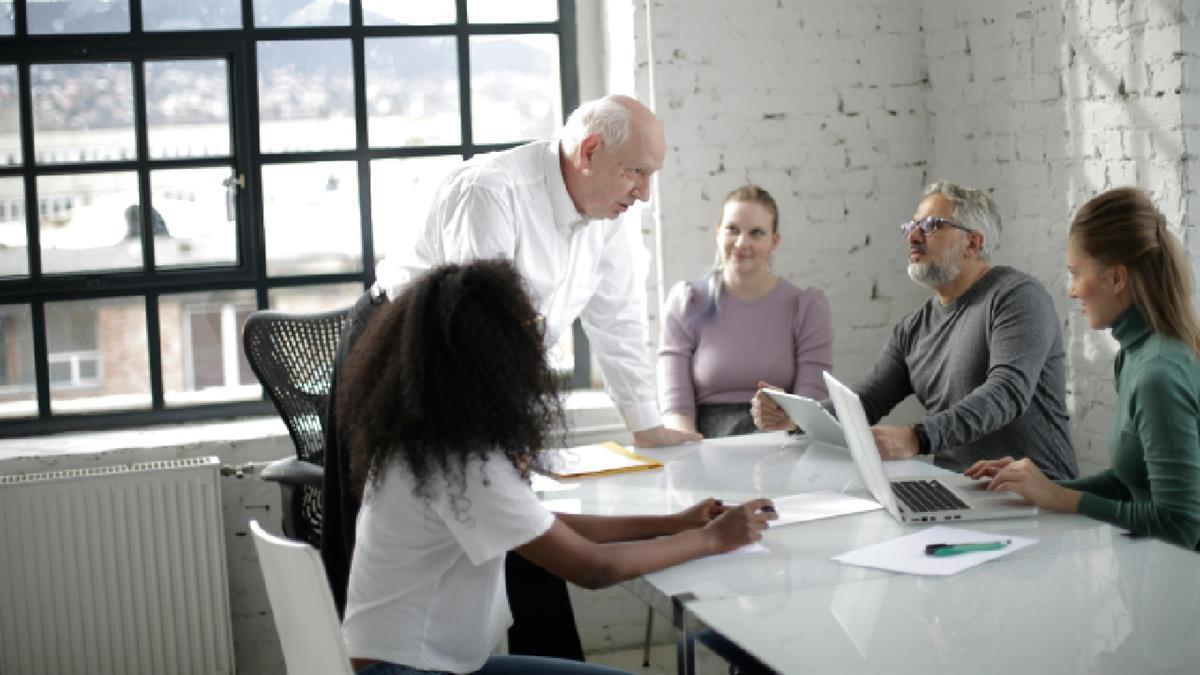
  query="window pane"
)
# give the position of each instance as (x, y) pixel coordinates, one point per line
(191, 14)
(46, 17)
(99, 360)
(511, 11)
(195, 227)
(90, 222)
(18, 393)
(301, 13)
(202, 356)
(412, 91)
(305, 96)
(391, 13)
(14, 252)
(187, 108)
(401, 191)
(311, 216)
(515, 89)
(314, 298)
(8, 20)
(10, 116)
(82, 112)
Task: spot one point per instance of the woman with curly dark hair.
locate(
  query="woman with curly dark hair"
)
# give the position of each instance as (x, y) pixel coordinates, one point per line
(444, 499)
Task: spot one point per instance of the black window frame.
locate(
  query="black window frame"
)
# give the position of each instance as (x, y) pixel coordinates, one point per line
(250, 273)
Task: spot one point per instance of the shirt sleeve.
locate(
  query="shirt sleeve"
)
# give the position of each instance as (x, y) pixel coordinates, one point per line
(812, 340)
(1024, 329)
(888, 383)
(1103, 484)
(476, 222)
(495, 513)
(676, 385)
(615, 321)
(1165, 410)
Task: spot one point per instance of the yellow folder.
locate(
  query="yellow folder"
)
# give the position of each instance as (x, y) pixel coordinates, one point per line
(600, 459)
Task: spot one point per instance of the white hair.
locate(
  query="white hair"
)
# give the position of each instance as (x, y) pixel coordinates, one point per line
(603, 116)
(973, 209)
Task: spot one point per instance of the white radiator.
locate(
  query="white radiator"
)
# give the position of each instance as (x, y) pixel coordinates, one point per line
(115, 570)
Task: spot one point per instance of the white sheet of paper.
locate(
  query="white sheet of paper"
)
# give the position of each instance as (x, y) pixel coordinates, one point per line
(588, 459)
(749, 549)
(907, 554)
(805, 506)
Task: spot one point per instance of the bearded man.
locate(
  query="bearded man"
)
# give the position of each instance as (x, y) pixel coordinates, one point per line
(984, 355)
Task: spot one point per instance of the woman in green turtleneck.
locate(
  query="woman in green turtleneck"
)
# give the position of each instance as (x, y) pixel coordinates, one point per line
(1129, 273)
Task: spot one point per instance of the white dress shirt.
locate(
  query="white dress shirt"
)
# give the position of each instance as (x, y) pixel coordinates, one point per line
(514, 204)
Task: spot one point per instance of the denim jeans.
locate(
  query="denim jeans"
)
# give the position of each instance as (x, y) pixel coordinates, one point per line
(506, 665)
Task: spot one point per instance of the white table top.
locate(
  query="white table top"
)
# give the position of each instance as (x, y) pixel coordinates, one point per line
(1085, 598)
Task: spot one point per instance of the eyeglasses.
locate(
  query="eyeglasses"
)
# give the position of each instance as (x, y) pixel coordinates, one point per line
(929, 225)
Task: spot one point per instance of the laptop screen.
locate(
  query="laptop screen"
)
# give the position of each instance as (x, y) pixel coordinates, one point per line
(862, 442)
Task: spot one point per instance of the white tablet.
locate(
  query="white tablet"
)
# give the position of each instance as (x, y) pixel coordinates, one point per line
(811, 417)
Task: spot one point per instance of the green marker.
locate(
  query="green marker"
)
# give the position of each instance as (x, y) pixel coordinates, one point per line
(942, 550)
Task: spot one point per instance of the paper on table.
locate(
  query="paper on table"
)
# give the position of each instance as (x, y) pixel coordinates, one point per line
(596, 460)
(907, 554)
(749, 549)
(807, 506)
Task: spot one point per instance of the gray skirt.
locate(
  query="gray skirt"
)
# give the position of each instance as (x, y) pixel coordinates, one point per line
(714, 420)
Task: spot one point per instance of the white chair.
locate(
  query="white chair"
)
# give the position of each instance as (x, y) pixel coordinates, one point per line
(307, 623)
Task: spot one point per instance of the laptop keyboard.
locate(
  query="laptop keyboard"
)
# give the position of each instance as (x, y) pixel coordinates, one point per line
(926, 495)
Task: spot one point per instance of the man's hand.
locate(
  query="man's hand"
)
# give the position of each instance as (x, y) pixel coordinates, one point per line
(658, 437)
(767, 414)
(896, 442)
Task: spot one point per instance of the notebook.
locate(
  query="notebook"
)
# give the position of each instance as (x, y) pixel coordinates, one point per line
(917, 500)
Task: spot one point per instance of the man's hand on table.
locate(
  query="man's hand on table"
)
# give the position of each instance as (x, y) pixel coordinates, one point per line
(658, 437)
(896, 442)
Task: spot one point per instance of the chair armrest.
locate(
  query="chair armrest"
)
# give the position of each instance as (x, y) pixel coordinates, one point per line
(294, 471)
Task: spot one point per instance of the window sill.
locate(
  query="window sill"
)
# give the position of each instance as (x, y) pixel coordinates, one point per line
(589, 414)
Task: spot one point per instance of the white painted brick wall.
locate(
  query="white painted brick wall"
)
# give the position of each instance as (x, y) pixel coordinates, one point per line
(843, 110)
(819, 102)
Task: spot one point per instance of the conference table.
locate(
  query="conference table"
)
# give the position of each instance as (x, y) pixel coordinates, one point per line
(1086, 598)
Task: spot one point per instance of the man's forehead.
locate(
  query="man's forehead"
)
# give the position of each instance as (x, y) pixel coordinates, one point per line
(935, 205)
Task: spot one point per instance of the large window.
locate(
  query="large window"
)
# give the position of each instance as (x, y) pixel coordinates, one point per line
(167, 168)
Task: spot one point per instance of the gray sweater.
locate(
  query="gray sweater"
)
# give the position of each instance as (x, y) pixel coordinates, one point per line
(989, 370)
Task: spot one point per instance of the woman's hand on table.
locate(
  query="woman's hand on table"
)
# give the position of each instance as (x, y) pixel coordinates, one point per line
(740, 525)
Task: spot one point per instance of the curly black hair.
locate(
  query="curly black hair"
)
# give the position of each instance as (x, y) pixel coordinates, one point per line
(453, 368)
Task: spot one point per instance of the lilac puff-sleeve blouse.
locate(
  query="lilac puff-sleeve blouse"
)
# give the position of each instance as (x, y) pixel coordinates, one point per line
(785, 338)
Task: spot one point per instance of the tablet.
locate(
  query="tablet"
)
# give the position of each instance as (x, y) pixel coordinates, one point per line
(811, 417)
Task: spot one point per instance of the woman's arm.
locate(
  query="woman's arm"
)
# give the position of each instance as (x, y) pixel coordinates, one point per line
(676, 387)
(569, 554)
(812, 344)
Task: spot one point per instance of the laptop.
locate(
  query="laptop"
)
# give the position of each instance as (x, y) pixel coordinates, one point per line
(921, 499)
(812, 418)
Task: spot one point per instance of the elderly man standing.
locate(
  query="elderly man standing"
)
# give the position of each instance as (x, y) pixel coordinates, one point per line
(555, 208)
(984, 355)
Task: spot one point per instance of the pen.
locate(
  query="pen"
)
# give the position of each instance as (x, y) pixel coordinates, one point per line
(942, 550)
(768, 508)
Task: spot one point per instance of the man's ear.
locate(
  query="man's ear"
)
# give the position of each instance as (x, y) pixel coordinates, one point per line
(587, 148)
(975, 242)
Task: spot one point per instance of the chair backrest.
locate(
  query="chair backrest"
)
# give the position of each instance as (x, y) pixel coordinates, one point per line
(293, 355)
(305, 618)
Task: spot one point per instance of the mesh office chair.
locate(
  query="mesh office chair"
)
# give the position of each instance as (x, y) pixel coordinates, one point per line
(292, 355)
(308, 626)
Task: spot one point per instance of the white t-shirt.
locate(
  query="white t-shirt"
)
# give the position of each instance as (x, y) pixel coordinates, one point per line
(514, 204)
(427, 582)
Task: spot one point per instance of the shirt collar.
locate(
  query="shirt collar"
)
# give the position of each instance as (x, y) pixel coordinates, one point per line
(1130, 327)
(566, 218)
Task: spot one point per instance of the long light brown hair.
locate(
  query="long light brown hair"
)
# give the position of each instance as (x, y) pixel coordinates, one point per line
(1123, 227)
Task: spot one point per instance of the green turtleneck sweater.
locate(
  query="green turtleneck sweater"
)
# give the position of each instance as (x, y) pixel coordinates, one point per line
(1153, 487)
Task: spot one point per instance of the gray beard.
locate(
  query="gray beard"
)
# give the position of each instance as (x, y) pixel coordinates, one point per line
(933, 273)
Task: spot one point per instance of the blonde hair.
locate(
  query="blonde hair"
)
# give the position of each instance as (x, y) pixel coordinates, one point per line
(1123, 227)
